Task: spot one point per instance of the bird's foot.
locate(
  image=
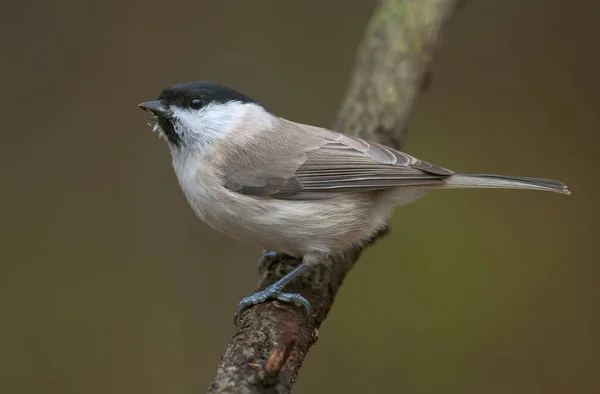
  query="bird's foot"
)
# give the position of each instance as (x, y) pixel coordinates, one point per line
(275, 292)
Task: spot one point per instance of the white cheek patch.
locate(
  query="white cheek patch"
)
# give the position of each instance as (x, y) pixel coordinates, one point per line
(211, 122)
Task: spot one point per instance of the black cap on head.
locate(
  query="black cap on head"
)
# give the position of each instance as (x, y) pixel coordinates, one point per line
(182, 94)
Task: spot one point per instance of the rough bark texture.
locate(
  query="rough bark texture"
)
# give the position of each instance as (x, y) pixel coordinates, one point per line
(271, 340)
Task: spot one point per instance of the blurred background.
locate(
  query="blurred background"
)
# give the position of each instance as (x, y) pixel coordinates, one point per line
(109, 283)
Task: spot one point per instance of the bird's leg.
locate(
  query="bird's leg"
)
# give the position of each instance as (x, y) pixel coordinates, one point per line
(275, 291)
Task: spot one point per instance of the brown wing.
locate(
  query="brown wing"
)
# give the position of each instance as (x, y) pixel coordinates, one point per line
(313, 163)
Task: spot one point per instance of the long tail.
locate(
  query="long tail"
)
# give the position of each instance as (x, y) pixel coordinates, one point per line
(488, 181)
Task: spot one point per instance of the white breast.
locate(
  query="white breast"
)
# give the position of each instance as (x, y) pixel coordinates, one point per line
(292, 227)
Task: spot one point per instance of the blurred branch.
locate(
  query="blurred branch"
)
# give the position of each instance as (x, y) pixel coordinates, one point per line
(271, 340)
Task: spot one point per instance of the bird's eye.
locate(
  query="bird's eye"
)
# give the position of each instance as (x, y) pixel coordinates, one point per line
(195, 103)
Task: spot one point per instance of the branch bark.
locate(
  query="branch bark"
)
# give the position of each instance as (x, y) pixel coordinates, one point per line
(271, 340)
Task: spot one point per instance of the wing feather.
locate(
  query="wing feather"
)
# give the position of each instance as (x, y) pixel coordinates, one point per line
(312, 163)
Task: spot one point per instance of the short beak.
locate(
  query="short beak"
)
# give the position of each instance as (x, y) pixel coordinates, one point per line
(155, 107)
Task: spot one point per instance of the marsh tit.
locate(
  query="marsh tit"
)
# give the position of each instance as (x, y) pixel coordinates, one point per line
(289, 187)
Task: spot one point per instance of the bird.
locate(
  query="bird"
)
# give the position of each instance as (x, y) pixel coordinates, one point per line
(288, 187)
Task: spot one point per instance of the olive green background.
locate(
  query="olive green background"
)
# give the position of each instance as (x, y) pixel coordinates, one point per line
(109, 284)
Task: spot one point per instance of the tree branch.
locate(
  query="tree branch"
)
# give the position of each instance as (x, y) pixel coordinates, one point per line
(271, 340)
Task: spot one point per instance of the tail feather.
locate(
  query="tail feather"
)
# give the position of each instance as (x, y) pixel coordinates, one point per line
(489, 181)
